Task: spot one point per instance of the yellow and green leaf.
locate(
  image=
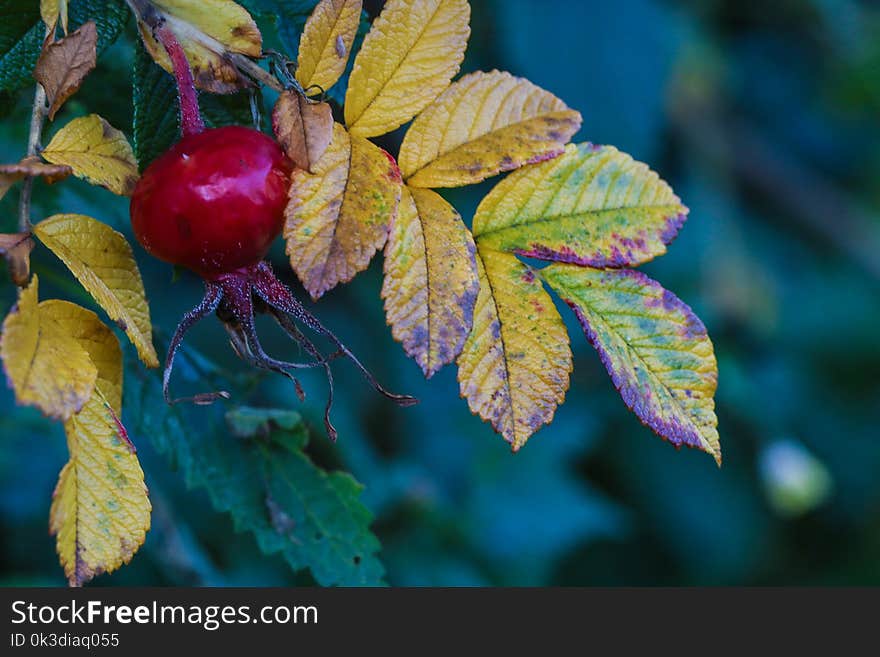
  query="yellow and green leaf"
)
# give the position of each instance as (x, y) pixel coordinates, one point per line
(654, 347)
(44, 364)
(208, 31)
(96, 151)
(592, 206)
(338, 217)
(412, 51)
(100, 510)
(483, 124)
(325, 44)
(102, 261)
(514, 368)
(431, 280)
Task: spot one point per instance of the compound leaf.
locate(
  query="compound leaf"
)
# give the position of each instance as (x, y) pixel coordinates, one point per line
(252, 465)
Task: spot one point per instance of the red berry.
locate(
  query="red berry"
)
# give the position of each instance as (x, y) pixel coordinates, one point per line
(214, 202)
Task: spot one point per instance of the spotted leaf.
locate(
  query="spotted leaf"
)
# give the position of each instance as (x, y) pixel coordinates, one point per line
(430, 279)
(338, 216)
(514, 368)
(653, 346)
(100, 511)
(209, 31)
(483, 124)
(591, 206)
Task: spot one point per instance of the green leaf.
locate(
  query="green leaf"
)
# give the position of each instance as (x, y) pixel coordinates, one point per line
(592, 205)
(155, 118)
(22, 33)
(655, 349)
(253, 466)
(156, 109)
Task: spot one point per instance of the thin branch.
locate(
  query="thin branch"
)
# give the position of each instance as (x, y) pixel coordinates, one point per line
(38, 116)
(254, 71)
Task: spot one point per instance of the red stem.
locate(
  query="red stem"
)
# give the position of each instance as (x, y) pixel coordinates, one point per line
(190, 118)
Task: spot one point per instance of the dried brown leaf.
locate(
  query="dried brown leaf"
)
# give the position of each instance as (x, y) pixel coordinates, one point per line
(64, 64)
(304, 128)
(31, 166)
(16, 249)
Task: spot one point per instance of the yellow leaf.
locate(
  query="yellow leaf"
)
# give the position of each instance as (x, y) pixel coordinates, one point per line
(52, 10)
(430, 279)
(102, 261)
(304, 128)
(655, 349)
(338, 217)
(208, 31)
(96, 151)
(326, 42)
(483, 124)
(100, 510)
(515, 365)
(410, 54)
(45, 366)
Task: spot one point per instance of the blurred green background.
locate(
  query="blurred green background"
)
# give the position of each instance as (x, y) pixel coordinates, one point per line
(764, 118)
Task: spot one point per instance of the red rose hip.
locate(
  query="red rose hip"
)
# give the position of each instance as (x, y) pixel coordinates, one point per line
(214, 202)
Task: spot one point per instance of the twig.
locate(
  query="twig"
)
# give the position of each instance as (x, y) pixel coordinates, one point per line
(38, 115)
(254, 71)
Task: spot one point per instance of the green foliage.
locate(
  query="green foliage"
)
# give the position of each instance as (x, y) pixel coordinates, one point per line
(22, 32)
(253, 465)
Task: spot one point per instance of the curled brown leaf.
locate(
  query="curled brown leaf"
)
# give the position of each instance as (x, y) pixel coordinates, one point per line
(64, 64)
(31, 166)
(303, 127)
(16, 249)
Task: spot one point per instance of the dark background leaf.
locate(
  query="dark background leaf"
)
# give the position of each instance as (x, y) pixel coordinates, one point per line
(22, 32)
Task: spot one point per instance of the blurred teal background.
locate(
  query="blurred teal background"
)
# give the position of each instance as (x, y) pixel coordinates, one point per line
(764, 118)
